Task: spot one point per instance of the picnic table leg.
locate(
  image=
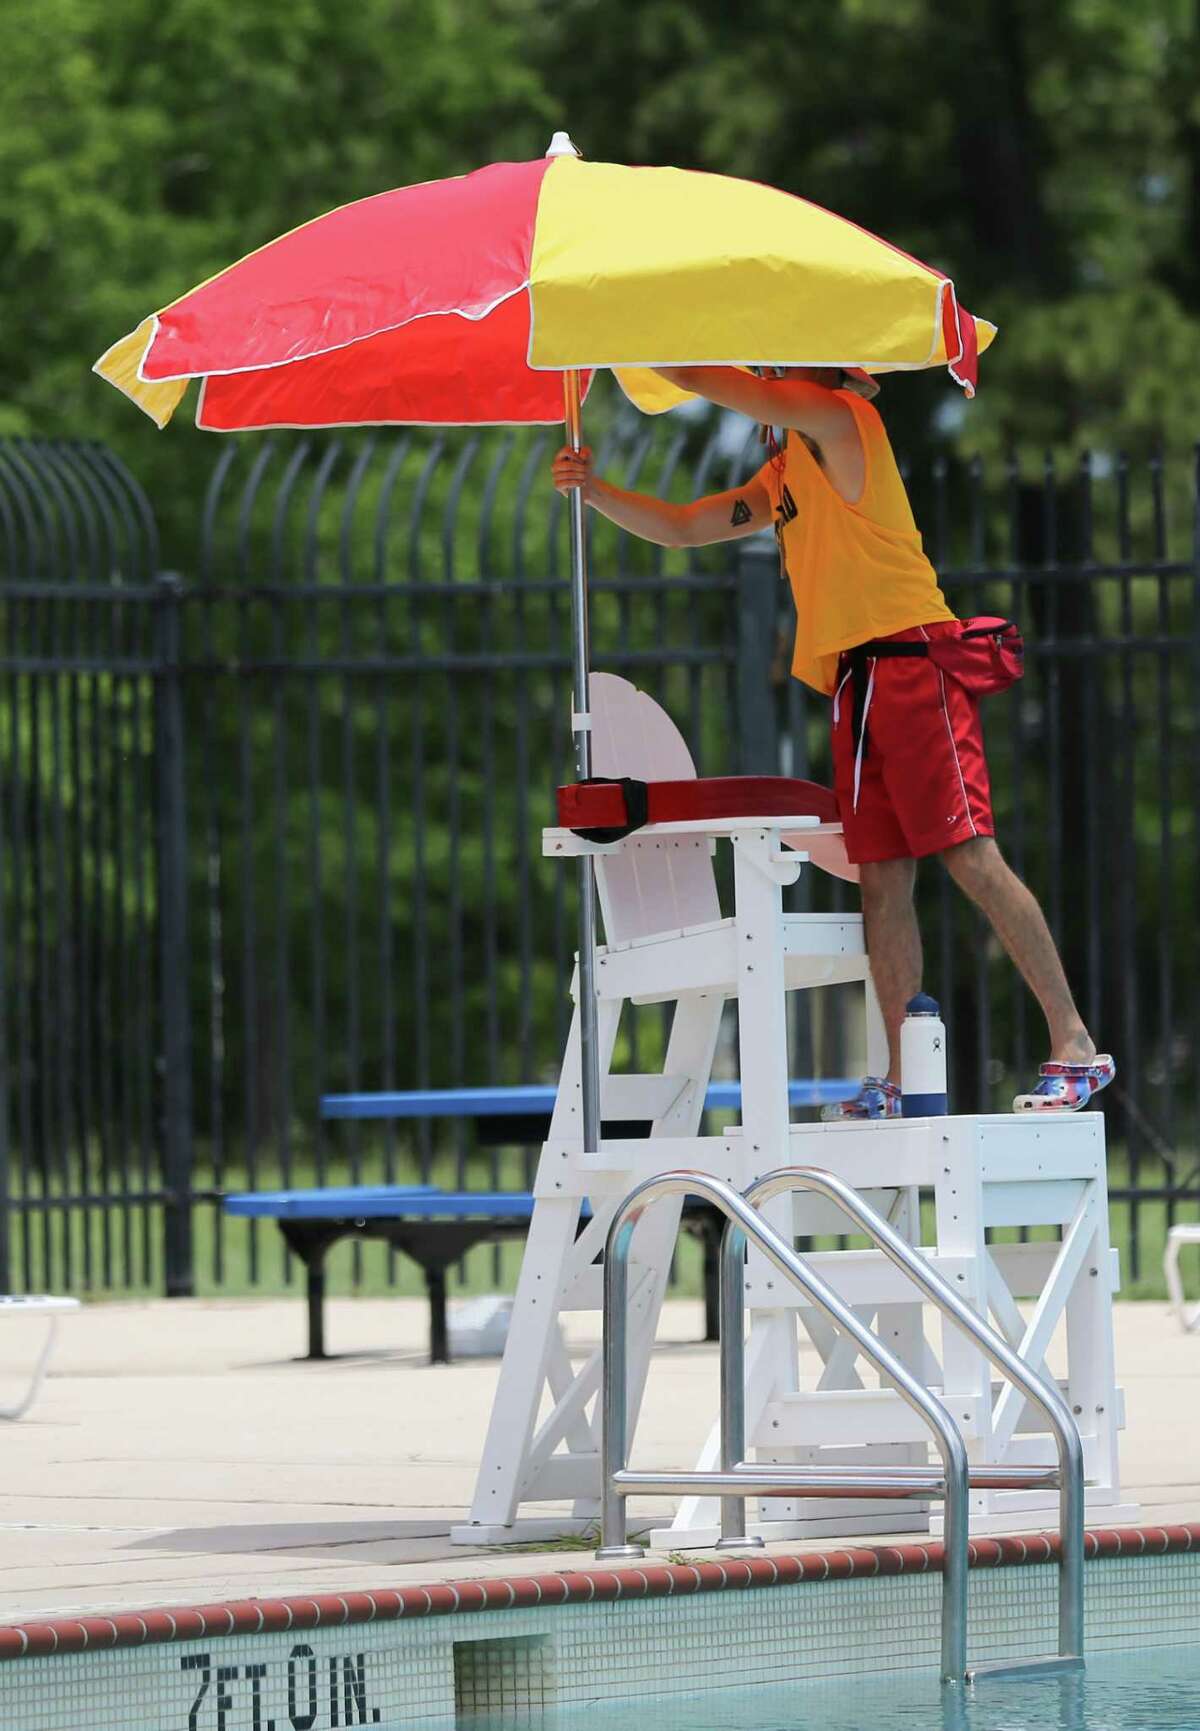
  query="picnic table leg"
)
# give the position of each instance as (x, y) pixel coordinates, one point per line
(310, 1246)
(439, 1342)
(314, 1275)
(435, 1246)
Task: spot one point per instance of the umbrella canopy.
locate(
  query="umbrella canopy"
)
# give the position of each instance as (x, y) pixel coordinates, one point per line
(462, 301)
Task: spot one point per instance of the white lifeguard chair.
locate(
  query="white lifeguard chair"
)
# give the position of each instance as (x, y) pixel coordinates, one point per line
(667, 941)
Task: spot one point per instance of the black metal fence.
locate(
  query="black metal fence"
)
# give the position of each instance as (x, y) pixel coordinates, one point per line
(270, 828)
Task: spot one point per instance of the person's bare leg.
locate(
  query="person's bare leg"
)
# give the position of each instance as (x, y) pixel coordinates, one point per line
(893, 943)
(979, 869)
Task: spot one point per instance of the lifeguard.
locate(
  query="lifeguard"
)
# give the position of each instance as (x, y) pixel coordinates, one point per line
(871, 622)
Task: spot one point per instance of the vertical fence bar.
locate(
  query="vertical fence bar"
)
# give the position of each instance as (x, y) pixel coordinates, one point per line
(121, 1054)
(85, 1095)
(141, 726)
(8, 1006)
(1124, 910)
(169, 754)
(452, 721)
(350, 882)
(1093, 946)
(251, 1031)
(102, 974)
(421, 899)
(1052, 685)
(10, 878)
(384, 704)
(78, 510)
(490, 635)
(40, 1004)
(22, 961)
(1193, 665)
(757, 730)
(207, 682)
(46, 563)
(1165, 754)
(281, 986)
(64, 1009)
(314, 760)
(214, 957)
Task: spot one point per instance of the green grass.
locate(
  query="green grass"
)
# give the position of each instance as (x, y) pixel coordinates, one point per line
(584, 1541)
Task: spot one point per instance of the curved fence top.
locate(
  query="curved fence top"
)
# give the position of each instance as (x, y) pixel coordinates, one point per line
(71, 512)
(419, 505)
(414, 506)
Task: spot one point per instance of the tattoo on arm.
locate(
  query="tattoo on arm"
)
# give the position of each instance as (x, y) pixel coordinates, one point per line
(740, 514)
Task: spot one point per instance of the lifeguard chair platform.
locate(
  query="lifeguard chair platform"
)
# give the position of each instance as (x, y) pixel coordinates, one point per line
(669, 942)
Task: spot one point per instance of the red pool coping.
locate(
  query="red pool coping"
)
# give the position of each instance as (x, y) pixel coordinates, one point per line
(572, 1587)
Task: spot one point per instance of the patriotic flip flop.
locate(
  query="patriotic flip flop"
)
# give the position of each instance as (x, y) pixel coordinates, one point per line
(1067, 1087)
(875, 1099)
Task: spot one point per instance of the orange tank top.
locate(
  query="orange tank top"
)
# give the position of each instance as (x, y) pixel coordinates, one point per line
(857, 571)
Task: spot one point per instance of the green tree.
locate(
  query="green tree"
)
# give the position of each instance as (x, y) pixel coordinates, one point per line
(1048, 156)
(145, 146)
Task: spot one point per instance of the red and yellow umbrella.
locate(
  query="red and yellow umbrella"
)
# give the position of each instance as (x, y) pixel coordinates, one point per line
(493, 297)
(462, 301)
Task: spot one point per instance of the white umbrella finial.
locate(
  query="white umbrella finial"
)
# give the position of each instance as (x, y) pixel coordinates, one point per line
(560, 145)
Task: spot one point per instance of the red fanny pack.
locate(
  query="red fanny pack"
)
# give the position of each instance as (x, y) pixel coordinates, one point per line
(987, 656)
(984, 656)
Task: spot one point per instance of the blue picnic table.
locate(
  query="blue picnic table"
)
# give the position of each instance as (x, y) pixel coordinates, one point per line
(437, 1227)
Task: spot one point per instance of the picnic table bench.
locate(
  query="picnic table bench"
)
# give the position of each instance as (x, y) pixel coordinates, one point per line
(434, 1227)
(437, 1227)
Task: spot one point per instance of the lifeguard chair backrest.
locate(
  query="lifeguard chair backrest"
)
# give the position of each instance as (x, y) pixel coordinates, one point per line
(651, 886)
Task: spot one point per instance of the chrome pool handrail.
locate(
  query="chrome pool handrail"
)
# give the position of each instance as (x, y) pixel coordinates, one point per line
(614, 1446)
(940, 1293)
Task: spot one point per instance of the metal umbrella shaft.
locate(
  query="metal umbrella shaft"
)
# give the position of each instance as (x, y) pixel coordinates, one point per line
(581, 728)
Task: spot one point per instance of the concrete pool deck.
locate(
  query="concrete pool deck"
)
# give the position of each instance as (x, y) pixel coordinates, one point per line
(181, 1454)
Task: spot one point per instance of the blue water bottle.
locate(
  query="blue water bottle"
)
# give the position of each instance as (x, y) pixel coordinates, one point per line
(923, 1060)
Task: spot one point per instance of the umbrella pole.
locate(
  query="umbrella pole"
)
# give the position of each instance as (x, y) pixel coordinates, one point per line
(581, 728)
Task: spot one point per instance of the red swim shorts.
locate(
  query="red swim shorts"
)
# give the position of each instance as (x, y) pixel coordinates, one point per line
(923, 778)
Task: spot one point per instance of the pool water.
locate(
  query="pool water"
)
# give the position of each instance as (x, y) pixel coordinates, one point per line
(1152, 1689)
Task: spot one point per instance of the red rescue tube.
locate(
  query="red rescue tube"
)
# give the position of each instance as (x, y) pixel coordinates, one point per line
(606, 805)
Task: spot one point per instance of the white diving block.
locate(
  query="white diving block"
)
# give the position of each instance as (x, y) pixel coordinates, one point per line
(31, 1304)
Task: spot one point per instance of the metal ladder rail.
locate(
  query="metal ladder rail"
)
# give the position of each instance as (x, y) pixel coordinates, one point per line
(617, 1483)
(941, 1294)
